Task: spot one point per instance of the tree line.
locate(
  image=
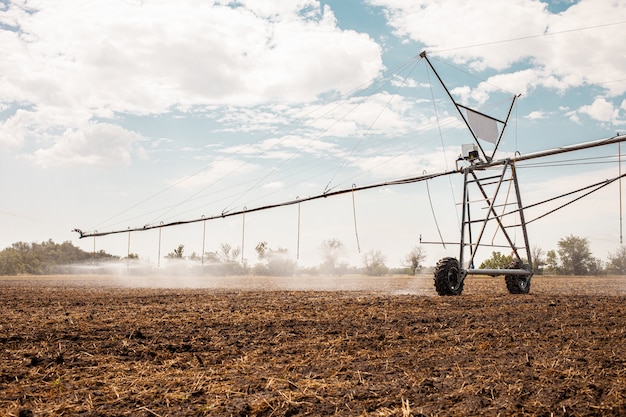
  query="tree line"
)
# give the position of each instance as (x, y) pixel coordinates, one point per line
(278, 262)
(49, 258)
(572, 257)
(45, 258)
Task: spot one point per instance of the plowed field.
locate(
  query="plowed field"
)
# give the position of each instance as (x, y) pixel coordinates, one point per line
(346, 346)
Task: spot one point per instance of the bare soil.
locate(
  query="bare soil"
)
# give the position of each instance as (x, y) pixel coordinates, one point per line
(345, 346)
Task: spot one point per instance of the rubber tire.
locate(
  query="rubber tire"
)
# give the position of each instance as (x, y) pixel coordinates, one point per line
(517, 284)
(448, 279)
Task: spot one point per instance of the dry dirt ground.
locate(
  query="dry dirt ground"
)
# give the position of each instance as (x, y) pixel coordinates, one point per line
(348, 346)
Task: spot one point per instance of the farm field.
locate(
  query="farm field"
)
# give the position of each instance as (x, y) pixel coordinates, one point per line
(349, 346)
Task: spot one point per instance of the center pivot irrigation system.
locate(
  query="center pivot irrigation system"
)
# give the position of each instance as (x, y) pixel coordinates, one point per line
(488, 180)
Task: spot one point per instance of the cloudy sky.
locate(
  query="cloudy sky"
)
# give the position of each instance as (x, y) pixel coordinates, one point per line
(119, 114)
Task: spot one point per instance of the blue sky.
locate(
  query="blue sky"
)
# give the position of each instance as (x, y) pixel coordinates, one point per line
(119, 114)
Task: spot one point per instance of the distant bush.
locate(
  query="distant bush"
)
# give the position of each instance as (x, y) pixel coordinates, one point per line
(497, 261)
(44, 258)
(374, 263)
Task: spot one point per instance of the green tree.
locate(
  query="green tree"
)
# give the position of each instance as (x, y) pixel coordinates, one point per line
(413, 260)
(228, 257)
(497, 261)
(277, 261)
(44, 258)
(11, 262)
(261, 249)
(552, 262)
(576, 258)
(539, 261)
(617, 261)
(222, 262)
(374, 262)
(596, 267)
(177, 253)
(211, 257)
(229, 254)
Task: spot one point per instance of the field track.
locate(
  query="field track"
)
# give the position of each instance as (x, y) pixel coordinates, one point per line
(350, 346)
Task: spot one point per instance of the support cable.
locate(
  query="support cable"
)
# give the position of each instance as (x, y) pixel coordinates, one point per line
(94, 249)
(602, 142)
(203, 241)
(317, 137)
(369, 128)
(374, 149)
(243, 233)
(443, 147)
(159, 252)
(356, 232)
(343, 98)
(619, 164)
(298, 242)
(267, 207)
(593, 160)
(128, 251)
(349, 180)
(432, 209)
(521, 38)
(597, 186)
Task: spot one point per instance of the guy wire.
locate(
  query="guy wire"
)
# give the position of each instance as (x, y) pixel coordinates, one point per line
(432, 209)
(356, 232)
(432, 95)
(619, 165)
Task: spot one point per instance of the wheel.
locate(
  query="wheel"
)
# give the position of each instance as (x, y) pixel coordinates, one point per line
(517, 284)
(448, 277)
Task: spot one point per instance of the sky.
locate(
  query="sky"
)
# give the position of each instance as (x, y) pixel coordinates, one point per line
(120, 114)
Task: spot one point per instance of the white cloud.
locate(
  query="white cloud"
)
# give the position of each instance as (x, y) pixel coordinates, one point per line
(248, 119)
(601, 110)
(406, 165)
(564, 49)
(273, 185)
(573, 116)
(145, 57)
(535, 115)
(398, 81)
(215, 172)
(14, 129)
(458, 23)
(99, 144)
(519, 82)
(285, 148)
(377, 114)
(320, 130)
(104, 59)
